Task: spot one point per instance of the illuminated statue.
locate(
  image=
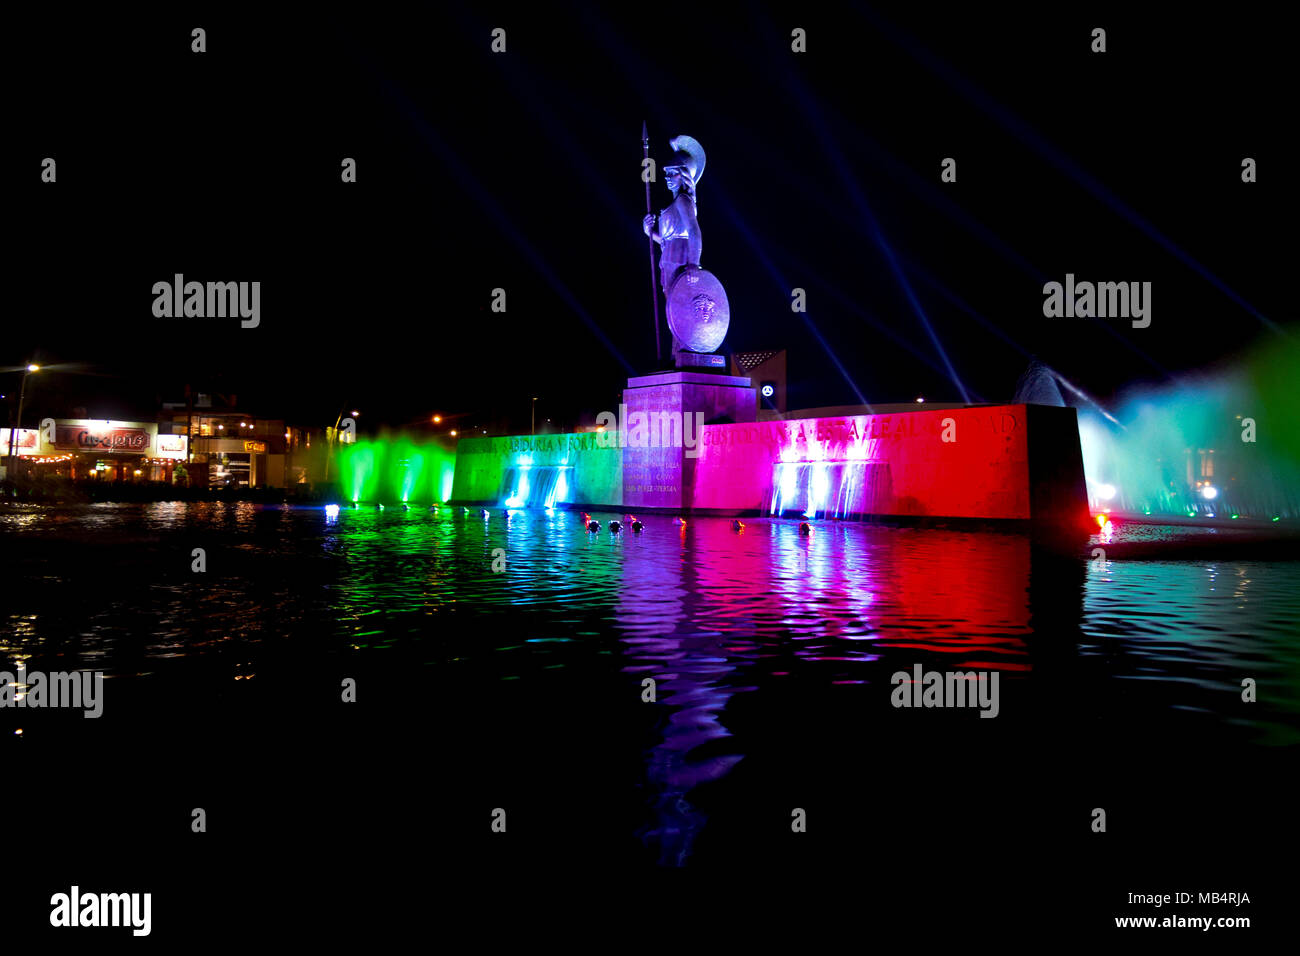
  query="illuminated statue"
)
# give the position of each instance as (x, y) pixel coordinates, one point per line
(698, 313)
(679, 231)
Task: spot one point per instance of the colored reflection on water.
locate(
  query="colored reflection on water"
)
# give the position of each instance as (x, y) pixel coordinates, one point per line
(714, 616)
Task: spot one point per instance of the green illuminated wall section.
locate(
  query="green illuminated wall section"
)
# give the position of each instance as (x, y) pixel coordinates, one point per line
(594, 464)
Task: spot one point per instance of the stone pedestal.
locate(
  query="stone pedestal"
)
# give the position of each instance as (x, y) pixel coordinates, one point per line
(661, 433)
(697, 360)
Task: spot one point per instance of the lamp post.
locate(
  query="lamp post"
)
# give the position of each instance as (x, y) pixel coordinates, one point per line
(18, 419)
(532, 428)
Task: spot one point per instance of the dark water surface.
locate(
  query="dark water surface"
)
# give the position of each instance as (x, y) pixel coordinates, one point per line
(521, 687)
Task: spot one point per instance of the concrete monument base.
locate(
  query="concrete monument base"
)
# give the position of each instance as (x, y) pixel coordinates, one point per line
(659, 460)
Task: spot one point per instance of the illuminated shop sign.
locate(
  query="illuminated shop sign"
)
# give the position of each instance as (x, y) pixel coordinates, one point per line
(172, 446)
(27, 444)
(124, 438)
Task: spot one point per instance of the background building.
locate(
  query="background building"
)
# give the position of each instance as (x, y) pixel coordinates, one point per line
(231, 448)
(85, 449)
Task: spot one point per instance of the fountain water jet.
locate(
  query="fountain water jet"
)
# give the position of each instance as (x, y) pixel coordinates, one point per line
(1219, 446)
(397, 468)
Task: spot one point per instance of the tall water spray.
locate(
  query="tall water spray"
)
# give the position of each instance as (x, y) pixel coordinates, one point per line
(397, 468)
(1221, 445)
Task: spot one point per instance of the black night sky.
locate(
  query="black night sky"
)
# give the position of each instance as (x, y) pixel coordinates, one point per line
(521, 171)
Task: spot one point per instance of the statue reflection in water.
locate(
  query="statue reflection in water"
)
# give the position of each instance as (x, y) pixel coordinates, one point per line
(659, 603)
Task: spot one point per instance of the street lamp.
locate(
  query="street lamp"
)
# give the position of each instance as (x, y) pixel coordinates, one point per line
(18, 420)
(533, 426)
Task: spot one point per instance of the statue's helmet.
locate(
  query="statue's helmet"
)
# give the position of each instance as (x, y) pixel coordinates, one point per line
(688, 156)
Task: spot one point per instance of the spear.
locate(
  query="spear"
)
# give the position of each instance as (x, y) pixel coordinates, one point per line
(654, 286)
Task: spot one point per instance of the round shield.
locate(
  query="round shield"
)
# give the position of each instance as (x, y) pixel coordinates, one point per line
(698, 312)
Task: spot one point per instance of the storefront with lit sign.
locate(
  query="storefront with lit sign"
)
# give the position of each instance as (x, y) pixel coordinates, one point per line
(233, 451)
(84, 449)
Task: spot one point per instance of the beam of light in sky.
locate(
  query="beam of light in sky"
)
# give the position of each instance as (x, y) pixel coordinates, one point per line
(891, 332)
(1026, 134)
(812, 111)
(775, 273)
(465, 179)
(876, 233)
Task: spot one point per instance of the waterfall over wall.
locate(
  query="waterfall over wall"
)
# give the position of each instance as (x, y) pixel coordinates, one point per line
(831, 489)
(535, 486)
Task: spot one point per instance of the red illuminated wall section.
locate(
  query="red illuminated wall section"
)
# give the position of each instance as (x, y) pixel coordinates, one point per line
(996, 462)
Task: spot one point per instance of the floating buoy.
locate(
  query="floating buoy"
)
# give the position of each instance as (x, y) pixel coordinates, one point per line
(484, 513)
(615, 527)
(593, 526)
(637, 526)
(737, 524)
(805, 528)
(679, 521)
